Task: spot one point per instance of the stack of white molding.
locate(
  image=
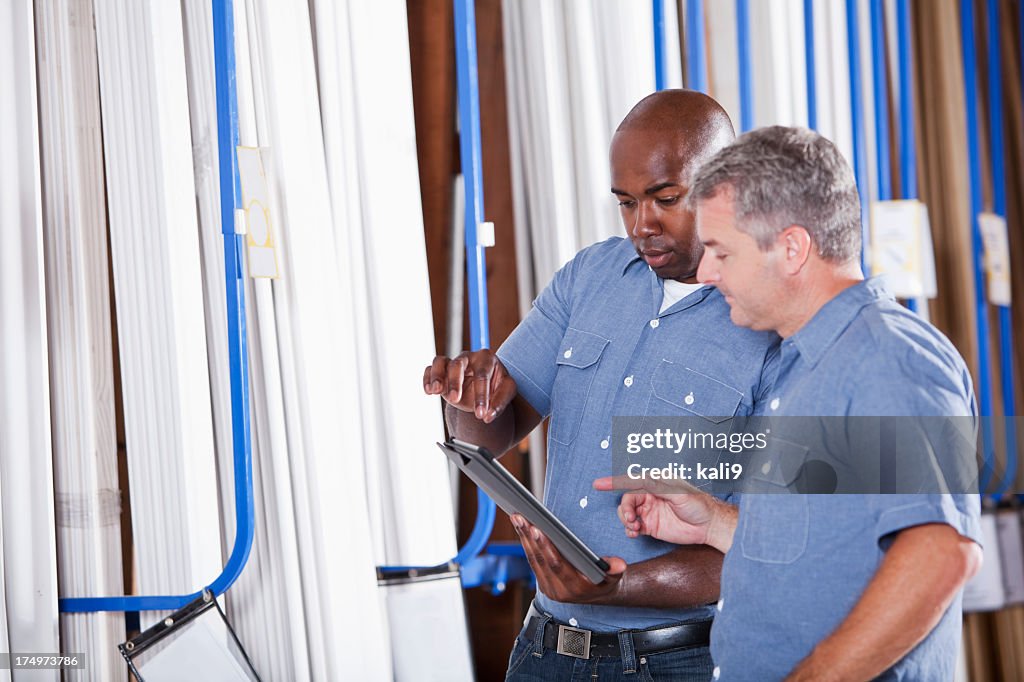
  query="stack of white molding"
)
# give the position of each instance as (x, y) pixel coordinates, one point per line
(5, 674)
(158, 285)
(832, 75)
(371, 151)
(345, 625)
(29, 597)
(568, 88)
(202, 104)
(81, 355)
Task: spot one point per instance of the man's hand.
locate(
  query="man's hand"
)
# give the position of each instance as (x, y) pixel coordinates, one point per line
(690, 518)
(473, 381)
(557, 578)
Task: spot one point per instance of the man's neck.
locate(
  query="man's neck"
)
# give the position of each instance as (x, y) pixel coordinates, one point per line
(818, 289)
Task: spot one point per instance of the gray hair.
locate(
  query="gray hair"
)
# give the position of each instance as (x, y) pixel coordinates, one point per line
(779, 177)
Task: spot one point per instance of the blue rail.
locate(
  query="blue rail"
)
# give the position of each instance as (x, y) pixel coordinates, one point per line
(997, 155)
(812, 84)
(476, 267)
(860, 169)
(981, 304)
(880, 82)
(660, 58)
(745, 65)
(908, 158)
(227, 142)
(696, 61)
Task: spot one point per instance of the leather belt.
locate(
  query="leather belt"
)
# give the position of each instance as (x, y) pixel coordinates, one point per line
(580, 643)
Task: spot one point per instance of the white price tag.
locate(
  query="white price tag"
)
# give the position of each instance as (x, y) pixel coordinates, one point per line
(997, 257)
(901, 248)
(260, 242)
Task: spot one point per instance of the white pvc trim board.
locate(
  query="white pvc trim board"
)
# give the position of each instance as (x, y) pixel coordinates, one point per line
(81, 355)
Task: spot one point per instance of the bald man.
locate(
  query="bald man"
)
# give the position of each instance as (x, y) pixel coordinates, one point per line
(623, 329)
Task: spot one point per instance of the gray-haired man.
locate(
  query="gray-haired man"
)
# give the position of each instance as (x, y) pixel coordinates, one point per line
(822, 587)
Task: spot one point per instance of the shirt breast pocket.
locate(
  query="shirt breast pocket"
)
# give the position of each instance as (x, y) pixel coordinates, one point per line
(681, 391)
(776, 527)
(577, 360)
(777, 521)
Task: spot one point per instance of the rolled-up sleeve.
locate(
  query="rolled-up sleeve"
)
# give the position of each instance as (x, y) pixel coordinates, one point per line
(899, 512)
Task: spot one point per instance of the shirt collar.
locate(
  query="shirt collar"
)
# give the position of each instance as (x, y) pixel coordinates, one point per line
(629, 255)
(815, 337)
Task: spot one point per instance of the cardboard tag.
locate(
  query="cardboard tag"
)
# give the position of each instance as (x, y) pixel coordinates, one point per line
(901, 248)
(997, 257)
(260, 242)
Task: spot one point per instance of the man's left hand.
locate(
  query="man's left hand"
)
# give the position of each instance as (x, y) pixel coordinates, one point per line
(556, 577)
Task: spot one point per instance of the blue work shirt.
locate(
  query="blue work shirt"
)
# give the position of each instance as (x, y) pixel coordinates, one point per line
(596, 346)
(799, 563)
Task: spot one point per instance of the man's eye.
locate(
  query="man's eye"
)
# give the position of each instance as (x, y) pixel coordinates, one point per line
(721, 256)
(627, 203)
(667, 201)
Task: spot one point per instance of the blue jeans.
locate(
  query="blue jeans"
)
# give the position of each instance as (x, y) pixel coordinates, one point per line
(531, 662)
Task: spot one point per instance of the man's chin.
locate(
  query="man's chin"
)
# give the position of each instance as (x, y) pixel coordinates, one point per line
(737, 316)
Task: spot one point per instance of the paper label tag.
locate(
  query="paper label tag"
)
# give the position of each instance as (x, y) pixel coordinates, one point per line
(262, 248)
(901, 248)
(997, 257)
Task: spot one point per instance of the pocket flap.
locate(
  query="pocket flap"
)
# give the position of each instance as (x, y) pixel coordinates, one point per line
(779, 464)
(695, 392)
(580, 349)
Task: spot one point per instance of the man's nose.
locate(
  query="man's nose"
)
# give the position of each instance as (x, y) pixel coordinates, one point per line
(707, 273)
(646, 223)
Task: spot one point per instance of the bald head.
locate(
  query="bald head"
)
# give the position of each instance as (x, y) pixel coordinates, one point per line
(654, 154)
(687, 114)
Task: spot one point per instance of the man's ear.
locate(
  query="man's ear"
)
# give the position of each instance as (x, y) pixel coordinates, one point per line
(797, 246)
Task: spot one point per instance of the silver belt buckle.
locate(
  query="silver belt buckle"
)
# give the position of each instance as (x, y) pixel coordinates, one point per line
(573, 642)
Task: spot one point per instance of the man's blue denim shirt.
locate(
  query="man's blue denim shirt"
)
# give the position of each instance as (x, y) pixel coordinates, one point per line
(595, 346)
(799, 563)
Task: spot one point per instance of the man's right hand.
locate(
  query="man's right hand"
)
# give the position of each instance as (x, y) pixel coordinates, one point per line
(473, 381)
(690, 518)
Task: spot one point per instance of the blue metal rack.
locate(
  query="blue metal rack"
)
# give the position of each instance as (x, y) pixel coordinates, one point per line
(996, 153)
(476, 267)
(812, 85)
(980, 302)
(860, 169)
(660, 57)
(696, 60)
(908, 160)
(745, 65)
(227, 138)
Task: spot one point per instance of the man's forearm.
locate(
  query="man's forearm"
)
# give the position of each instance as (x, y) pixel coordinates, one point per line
(920, 575)
(683, 578)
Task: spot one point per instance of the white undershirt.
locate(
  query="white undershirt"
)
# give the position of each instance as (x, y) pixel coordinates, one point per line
(676, 291)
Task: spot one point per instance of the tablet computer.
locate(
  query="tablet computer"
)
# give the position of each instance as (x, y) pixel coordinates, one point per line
(513, 497)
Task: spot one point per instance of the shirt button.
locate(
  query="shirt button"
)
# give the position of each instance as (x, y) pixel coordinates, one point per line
(766, 467)
(716, 673)
(720, 602)
(604, 444)
(774, 404)
(573, 622)
(628, 381)
(567, 354)
(654, 324)
(688, 399)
